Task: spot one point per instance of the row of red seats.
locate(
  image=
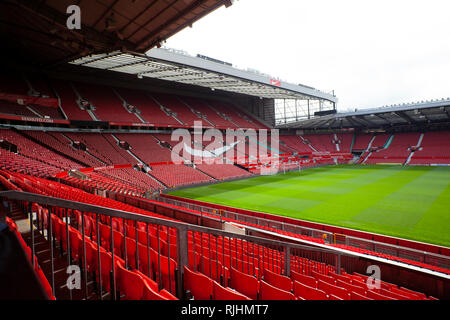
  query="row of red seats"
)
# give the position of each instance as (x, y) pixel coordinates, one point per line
(103, 146)
(132, 284)
(15, 162)
(35, 151)
(40, 274)
(223, 171)
(216, 255)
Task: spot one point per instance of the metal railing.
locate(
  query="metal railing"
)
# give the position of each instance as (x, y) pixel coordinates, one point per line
(218, 248)
(329, 237)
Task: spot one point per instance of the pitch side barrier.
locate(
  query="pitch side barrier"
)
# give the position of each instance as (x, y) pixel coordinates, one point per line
(284, 254)
(434, 255)
(203, 216)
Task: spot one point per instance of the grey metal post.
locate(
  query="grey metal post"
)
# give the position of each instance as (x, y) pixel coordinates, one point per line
(287, 258)
(30, 210)
(338, 263)
(183, 258)
(113, 284)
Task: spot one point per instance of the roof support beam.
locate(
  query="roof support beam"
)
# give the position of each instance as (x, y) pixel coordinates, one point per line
(353, 122)
(363, 119)
(404, 116)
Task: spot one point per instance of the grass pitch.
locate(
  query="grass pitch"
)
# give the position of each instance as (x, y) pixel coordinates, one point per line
(406, 202)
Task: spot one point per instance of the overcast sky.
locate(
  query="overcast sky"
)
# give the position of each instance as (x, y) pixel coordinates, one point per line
(372, 53)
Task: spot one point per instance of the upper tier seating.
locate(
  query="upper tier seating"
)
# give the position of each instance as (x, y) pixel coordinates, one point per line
(149, 110)
(322, 142)
(398, 151)
(183, 113)
(69, 101)
(434, 149)
(296, 143)
(345, 141)
(212, 116)
(7, 107)
(108, 106)
(235, 116)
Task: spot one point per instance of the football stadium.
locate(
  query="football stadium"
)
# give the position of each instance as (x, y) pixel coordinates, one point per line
(133, 171)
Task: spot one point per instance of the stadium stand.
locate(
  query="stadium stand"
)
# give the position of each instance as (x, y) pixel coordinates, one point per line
(108, 107)
(272, 284)
(100, 140)
(397, 151)
(434, 149)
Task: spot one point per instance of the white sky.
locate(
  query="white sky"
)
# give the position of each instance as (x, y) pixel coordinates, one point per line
(372, 53)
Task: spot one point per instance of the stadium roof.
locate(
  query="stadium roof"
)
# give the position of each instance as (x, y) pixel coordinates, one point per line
(38, 29)
(419, 113)
(173, 65)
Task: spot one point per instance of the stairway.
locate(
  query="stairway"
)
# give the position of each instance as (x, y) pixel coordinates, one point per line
(60, 259)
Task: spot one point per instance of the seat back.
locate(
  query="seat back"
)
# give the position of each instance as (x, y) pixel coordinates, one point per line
(221, 293)
(334, 290)
(130, 283)
(320, 276)
(351, 287)
(378, 296)
(199, 285)
(357, 296)
(244, 283)
(303, 278)
(277, 280)
(269, 292)
(308, 293)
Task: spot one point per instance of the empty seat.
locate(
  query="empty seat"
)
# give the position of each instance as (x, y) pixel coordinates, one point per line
(319, 276)
(130, 283)
(308, 293)
(277, 280)
(334, 290)
(357, 296)
(302, 278)
(244, 283)
(221, 293)
(269, 292)
(377, 296)
(351, 287)
(410, 293)
(199, 285)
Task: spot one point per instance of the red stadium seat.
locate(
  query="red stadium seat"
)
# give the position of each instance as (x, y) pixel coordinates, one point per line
(277, 280)
(269, 292)
(307, 280)
(351, 287)
(342, 293)
(221, 293)
(244, 283)
(308, 293)
(130, 283)
(150, 294)
(377, 296)
(357, 296)
(324, 278)
(199, 285)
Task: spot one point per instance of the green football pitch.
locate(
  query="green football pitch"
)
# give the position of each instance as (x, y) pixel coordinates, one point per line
(406, 202)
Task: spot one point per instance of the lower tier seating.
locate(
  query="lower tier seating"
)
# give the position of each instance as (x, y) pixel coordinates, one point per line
(147, 254)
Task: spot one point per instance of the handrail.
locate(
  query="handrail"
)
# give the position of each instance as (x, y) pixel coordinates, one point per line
(115, 213)
(339, 257)
(293, 227)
